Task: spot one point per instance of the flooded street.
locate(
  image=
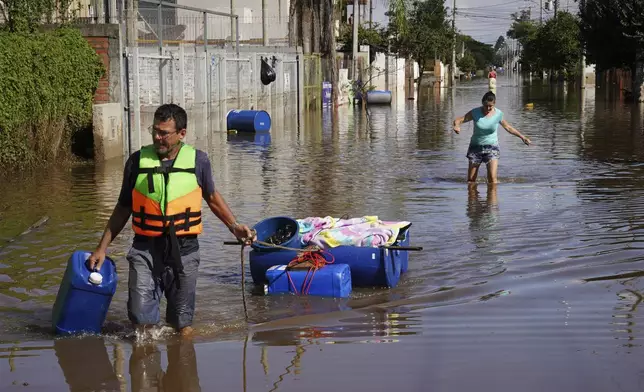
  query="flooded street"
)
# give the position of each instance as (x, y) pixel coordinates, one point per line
(532, 285)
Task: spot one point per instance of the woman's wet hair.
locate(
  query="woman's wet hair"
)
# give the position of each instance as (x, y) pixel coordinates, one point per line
(489, 97)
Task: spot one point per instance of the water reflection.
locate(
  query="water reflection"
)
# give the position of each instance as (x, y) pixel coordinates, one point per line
(256, 138)
(375, 325)
(483, 215)
(146, 372)
(86, 364)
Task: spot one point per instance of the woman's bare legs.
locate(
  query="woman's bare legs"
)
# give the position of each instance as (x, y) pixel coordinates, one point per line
(472, 172)
(492, 167)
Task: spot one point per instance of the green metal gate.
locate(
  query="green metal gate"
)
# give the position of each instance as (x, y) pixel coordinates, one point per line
(312, 81)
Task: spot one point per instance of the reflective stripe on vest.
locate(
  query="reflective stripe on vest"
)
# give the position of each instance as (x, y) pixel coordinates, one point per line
(166, 196)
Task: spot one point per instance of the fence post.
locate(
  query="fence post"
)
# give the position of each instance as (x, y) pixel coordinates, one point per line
(253, 80)
(223, 89)
(201, 79)
(162, 62)
(270, 88)
(125, 87)
(208, 67)
(136, 94)
(238, 62)
(300, 87)
(279, 80)
(182, 61)
(205, 32)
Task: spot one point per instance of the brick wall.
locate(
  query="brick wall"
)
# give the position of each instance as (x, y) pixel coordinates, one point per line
(102, 45)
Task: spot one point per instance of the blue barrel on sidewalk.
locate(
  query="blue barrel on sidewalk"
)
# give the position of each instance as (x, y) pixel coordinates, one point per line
(248, 120)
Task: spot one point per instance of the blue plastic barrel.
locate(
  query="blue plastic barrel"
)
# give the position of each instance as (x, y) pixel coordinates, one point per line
(333, 280)
(375, 97)
(248, 120)
(81, 307)
(270, 226)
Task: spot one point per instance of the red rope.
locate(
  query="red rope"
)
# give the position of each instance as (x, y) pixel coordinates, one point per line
(316, 259)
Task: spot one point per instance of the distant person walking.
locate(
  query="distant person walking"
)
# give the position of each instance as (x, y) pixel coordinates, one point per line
(484, 143)
(491, 76)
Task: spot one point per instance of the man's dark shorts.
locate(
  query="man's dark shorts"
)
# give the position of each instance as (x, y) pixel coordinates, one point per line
(150, 278)
(482, 154)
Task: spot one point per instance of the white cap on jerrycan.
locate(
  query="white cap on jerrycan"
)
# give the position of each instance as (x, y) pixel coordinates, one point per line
(95, 278)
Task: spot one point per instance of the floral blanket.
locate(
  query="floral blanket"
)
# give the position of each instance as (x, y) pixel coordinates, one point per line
(329, 232)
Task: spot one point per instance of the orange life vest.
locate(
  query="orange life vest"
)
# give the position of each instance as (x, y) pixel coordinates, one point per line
(167, 200)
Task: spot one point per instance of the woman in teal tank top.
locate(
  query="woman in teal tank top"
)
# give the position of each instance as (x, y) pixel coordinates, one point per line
(484, 143)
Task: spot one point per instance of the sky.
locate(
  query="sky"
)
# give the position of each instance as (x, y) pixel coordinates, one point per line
(484, 20)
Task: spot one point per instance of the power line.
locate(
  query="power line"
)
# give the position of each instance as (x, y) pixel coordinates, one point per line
(492, 5)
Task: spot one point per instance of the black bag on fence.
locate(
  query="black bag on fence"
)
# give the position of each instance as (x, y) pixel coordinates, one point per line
(267, 74)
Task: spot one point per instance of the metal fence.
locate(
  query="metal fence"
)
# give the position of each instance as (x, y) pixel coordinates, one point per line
(210, 83)
(197, 59)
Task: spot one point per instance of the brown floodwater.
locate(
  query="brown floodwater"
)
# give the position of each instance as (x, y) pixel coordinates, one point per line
(532, 285)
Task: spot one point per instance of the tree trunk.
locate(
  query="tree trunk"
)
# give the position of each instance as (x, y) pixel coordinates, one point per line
(312, 26)
(327, 46)
(307, 21)
(316, 28)
(294, 24)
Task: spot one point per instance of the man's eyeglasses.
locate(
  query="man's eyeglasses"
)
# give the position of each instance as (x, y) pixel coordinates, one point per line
(161, 134)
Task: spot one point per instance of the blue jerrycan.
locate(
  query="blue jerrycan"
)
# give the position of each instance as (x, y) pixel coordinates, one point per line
(84, 296)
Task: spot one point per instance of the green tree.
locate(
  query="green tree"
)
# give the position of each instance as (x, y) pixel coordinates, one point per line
(425, 35)
(500, 42)
(632, 16)
(607, 43)
(525, 30)
(603, 24)
(467, 63)
(27, 15)
(522, 28)
(558, 44)
(483, 54)
(375, 37)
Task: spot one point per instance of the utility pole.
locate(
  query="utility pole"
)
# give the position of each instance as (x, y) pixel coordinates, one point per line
(264, 34)
(354, 57)
(540, 12)
(132, 13)
(232, 22)
(453, 67)
(370, 26)
(556, 4)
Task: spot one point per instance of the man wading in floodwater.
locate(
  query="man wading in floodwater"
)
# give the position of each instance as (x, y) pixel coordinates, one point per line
(163, 185)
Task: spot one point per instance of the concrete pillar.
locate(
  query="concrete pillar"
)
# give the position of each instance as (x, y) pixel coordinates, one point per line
(108, 131)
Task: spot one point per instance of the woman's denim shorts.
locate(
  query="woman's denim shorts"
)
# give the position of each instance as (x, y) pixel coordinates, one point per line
(483, 154)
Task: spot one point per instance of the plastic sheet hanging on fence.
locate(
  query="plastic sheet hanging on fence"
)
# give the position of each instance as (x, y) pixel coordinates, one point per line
(267, 73)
